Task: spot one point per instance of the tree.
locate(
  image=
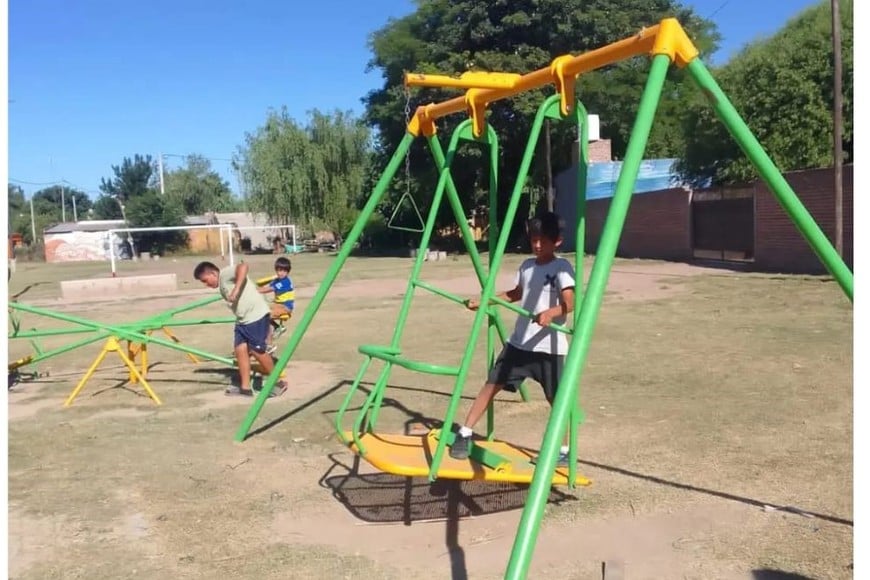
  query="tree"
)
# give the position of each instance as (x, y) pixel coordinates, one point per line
(150, 209)
(17, 208)
(312, 175)
(451, 37)
(198, 189)
(131, 194)
(132, 178)
(782, 87)
(107, 208)
(50, 200)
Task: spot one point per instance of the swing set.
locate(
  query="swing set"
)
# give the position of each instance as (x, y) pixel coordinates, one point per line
(494, 460)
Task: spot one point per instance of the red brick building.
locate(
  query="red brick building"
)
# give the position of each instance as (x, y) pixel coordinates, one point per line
(747, 222)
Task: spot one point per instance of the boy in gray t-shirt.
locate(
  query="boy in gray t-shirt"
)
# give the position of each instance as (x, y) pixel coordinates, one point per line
(252, 321)
(544, 286)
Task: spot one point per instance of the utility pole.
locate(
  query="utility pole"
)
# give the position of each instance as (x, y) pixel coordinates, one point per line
(838, 127)
(32, 220)
(62, 205)
(75, 213)
(160, 171)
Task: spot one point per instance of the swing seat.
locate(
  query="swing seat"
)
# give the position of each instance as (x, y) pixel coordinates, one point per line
(393, 356)
(411, 456)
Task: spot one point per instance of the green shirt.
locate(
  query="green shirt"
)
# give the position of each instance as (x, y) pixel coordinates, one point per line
(250, 305)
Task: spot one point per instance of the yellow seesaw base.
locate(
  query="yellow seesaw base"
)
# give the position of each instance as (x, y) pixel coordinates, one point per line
(410, 455)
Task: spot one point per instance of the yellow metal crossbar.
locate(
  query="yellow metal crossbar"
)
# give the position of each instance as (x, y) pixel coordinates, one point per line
(668, 38)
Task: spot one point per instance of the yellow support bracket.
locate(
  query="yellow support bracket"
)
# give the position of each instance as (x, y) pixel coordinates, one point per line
(673, 41)
(112, 345)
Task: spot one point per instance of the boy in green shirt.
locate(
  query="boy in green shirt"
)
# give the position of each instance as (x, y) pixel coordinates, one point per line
(252, 321)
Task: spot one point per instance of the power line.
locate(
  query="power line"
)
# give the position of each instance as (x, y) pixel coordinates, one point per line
(197, 155)
(721, 6)
(35, 182)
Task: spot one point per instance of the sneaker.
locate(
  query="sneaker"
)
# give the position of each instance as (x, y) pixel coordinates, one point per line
(236, 391)
(459, 449)
(271, 349)
(563, 460)
(279, 389)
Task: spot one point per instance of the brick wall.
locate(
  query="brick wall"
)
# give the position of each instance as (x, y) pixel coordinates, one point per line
(599, 151)
(657, 225)
(778, 243)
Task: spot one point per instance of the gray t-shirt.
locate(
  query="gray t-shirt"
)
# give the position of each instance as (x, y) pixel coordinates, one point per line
(250, 306)
(542, 286)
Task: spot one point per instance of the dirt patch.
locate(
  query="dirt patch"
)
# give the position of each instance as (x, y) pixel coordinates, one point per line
(661, 545)
(30, 538)
(30, 406)
(304, 379)
(701, 407)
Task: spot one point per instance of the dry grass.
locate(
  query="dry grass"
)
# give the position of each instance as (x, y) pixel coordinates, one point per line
(708, 395)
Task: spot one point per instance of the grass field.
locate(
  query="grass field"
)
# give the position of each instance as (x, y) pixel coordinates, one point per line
(718, 438)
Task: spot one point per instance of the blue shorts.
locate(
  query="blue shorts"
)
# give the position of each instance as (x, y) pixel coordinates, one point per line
(253, 334)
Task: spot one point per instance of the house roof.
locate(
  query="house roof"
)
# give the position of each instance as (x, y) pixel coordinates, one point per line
(84, 226)
(106, 225)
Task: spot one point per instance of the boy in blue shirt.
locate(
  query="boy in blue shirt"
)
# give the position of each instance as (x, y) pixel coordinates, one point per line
(285, 295)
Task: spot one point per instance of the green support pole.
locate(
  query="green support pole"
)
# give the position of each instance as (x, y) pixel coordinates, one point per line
(579, 254)
(405, 309)
(773, 177)
(468, 236)
(566, 395)
(328, 280)
(492, 238)
(489, 287)
(465, 231)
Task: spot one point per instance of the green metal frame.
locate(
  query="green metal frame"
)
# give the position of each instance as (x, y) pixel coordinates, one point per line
(566, 414)
(533, 512)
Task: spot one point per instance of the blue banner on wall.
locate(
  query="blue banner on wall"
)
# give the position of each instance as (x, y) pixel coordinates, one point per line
(654, 174)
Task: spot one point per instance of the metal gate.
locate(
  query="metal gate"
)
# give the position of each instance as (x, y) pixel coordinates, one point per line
(723, 224)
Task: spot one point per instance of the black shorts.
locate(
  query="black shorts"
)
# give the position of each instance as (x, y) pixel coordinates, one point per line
(514, 365)
(253, 334)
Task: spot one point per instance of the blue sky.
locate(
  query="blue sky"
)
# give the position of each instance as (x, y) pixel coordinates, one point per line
(93, 81)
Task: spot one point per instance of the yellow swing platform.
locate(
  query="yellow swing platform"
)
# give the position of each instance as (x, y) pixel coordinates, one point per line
(411, 456)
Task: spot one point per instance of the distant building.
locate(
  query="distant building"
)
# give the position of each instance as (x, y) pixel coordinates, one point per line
(86, 240)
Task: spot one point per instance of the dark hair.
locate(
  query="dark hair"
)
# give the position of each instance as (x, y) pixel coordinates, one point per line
(282, 263)
(204, 267)
(547, 225)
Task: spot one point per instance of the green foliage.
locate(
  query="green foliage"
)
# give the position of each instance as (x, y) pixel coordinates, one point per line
(18, 211)
(46, 209)
(312, 175)
(451, 37)
(50, 199)
(132, 194)
(782, 86)
(150, 209)
(198, 189)
(133, 177)
(107, 208)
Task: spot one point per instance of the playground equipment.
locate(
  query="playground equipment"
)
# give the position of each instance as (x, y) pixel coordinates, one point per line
(665, 43)
(137, 334)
